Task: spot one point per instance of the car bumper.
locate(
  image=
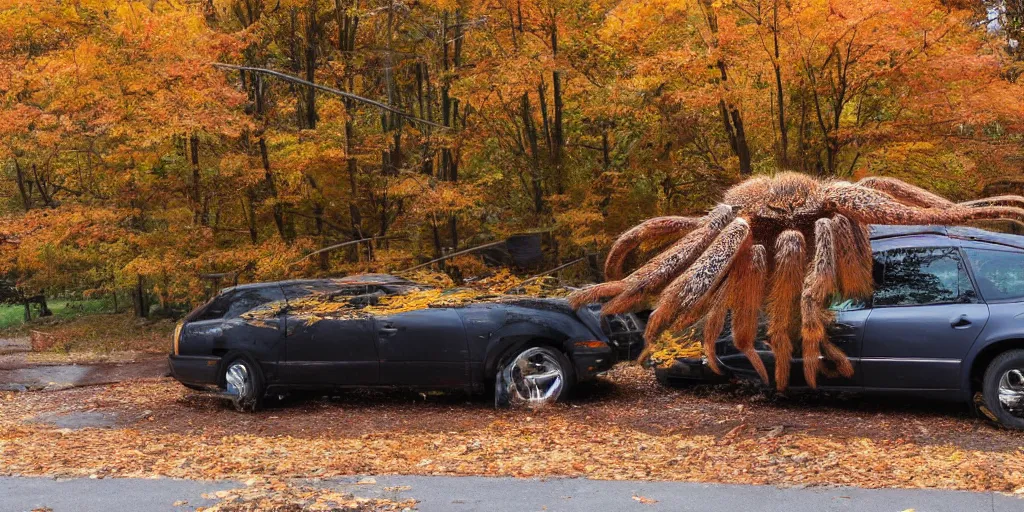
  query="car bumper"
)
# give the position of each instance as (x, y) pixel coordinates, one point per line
(689, 369)
(195, 370)
(590, 364)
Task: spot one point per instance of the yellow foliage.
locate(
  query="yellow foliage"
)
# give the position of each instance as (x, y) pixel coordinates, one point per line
(671, 346)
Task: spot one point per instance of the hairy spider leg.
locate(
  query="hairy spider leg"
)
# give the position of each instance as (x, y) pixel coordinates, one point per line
(714, 323)
(790, 261)
(652, 277)
(905, 192)
(853, 258)
(686, 299)
(746, 293)
(672, 228)
(1011, 200)
(819, 285)
(870, 206)
(648, 281)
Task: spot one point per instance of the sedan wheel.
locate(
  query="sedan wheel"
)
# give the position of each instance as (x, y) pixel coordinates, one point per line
(244, 385)
(534, 377)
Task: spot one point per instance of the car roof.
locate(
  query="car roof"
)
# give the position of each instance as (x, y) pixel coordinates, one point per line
(880, 232)
(367, 279)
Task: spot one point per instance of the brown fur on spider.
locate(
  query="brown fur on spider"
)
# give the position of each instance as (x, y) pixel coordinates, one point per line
(784, 243)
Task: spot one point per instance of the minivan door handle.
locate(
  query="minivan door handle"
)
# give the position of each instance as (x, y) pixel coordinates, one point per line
(960, 322)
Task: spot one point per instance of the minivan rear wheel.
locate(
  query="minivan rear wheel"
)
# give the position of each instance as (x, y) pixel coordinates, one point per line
(1003, 388)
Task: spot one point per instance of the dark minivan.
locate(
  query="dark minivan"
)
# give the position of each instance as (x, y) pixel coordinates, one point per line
(946, 320)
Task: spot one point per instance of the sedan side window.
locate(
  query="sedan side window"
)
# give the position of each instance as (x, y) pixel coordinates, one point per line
(248, 299)
(920, 276)
(216, 308)
(1000, 274)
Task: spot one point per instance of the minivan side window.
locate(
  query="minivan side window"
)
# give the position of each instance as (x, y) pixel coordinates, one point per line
(1000, 274)
(922, 275)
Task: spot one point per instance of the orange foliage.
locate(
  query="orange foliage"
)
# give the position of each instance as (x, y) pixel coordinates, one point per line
(127, 155)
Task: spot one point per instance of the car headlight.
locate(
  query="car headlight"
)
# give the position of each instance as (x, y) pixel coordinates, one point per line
(177, 336)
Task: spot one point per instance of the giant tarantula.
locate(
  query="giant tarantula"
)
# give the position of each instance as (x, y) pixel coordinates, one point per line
(786, 243)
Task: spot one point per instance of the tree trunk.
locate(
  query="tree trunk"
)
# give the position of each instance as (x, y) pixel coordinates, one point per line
(311, 44)
(26, 197)
(783, 137)
(347, 26)
(557, 135)
(732, 118)
(201, 214)
(606, 154)
(139, 299)
(268, 178)
(44, 310)
(544, 120)
(530, 133)
(595, 268)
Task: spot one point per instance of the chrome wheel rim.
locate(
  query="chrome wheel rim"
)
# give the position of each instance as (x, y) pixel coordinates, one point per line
(238, 380)
(535, 377)
(1011, 392)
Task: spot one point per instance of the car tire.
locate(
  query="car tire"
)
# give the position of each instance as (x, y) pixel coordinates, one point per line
(243, 380)
(1005, 375)
(545, 358)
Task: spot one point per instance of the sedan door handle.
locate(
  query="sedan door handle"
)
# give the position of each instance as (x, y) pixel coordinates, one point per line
(387, 331)
(960, 322)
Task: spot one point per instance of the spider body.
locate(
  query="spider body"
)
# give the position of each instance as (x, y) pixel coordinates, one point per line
(783, 244)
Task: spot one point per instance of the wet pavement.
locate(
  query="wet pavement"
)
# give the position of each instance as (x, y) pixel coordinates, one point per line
(28, 377)
(85, 419)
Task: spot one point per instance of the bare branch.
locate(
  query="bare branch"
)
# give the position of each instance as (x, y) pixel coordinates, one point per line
(297, 80)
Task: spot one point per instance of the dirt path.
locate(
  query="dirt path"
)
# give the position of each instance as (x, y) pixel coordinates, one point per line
(15, 345)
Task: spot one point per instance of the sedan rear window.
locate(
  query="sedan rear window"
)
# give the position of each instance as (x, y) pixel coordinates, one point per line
(232, 304)
(1000, 274)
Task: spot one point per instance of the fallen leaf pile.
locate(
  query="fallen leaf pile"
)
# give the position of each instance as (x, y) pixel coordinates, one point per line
(671, 346)
(625, 427)
(644, 499)
(272, 494)
(501, 286)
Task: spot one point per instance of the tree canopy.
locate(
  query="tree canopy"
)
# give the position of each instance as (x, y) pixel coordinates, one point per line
(131, 162)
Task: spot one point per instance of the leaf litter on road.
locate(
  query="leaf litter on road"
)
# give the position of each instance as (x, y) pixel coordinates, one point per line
(622, 427)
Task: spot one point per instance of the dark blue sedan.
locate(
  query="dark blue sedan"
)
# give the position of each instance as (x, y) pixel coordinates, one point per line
(946, 320)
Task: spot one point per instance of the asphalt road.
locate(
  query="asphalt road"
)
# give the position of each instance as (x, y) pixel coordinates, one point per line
(455, 494)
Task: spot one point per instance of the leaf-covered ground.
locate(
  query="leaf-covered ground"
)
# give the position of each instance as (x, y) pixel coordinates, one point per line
(273, 494)
(622, 427)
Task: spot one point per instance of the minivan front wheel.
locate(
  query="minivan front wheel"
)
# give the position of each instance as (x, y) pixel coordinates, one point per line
(1003, 388)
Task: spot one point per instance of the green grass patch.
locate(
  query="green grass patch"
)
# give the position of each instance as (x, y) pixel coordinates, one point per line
(12, 316)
